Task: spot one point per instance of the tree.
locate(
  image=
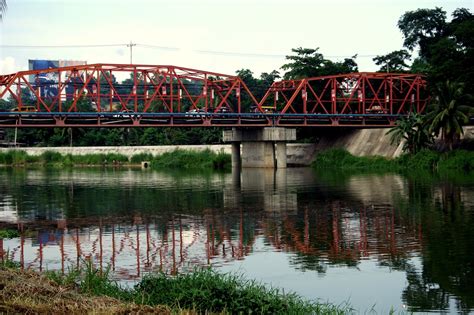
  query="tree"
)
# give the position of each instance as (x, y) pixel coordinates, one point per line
(3, 8)
(450, 111)
(412, 131)
(309, 63)
(446, 48)
(393, 62)
(422, 27)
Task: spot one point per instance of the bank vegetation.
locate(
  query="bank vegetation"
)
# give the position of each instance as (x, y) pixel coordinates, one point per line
(202, 291)
(182, 159)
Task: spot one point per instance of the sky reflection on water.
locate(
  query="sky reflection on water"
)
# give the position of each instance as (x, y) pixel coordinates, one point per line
(372, 240)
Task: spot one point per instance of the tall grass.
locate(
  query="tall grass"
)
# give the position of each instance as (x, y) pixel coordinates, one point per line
(177, 159)
(424, 160)
(202, 290)
(205, 290)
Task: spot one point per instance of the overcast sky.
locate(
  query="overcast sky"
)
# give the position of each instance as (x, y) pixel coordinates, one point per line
(217, 35)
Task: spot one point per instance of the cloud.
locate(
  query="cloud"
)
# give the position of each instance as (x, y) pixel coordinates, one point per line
(7, 65)
(120, 52)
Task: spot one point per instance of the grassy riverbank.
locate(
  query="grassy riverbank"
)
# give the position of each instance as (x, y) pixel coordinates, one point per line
(181, 159)
(200, 292)
(425, 160)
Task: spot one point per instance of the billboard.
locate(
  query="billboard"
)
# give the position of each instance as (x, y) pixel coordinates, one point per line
(47, 82)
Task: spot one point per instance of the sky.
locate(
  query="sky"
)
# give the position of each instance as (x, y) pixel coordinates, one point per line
(215, 35)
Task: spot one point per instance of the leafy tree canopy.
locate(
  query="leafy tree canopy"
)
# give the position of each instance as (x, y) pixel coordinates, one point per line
(308, 62)
(393, 62)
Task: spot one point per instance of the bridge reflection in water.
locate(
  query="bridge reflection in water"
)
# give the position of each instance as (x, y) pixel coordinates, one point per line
(284, 209)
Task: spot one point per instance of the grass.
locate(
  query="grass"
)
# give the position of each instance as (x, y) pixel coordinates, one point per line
(425, 160)
(205, 290)
(178, 159)
(28, 292)
(202, 291)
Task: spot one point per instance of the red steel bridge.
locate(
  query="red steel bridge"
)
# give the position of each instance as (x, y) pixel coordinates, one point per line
(157, 96)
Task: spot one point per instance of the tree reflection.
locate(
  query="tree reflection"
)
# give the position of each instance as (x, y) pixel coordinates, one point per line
(183, 220)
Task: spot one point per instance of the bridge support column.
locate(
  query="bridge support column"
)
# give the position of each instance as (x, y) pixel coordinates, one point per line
(262, 147)
(281, 154)
(236, 154)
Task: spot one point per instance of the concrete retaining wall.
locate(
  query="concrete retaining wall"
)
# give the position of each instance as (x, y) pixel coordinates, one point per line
(125, 150)
(361, 142)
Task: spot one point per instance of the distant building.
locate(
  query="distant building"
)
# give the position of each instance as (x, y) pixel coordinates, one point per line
(47, 82)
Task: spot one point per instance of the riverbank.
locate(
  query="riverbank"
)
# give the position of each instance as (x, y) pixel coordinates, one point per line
(183, 159)
(425, 160)
(90, 290)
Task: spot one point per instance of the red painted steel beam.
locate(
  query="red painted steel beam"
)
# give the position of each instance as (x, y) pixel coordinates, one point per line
(340, 99)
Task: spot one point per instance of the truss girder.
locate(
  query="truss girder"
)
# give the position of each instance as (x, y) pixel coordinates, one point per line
(177, 95)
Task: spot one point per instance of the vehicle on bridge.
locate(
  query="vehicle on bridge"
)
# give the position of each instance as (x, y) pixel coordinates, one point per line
(25, 109)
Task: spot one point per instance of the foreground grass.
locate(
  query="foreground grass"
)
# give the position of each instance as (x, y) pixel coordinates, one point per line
(202, 291)
(425, 160)
(27, 292)
(182, 159)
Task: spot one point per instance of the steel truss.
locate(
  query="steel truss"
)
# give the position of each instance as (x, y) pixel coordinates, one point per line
(157, 95)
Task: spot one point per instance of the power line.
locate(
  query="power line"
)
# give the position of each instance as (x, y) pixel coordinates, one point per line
(61, 46)
(207, 52)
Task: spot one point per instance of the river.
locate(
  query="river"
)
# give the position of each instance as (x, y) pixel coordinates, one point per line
(376, 241)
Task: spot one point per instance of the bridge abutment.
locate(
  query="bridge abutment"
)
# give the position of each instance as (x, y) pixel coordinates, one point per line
(261, 148)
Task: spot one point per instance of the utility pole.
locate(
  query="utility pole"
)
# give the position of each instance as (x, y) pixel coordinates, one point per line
(131, 50)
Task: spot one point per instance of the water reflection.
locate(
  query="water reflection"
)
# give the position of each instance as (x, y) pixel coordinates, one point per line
(141, 221)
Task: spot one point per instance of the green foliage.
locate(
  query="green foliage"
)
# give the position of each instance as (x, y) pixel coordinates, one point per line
(177, 159)
(446, 49)
(99, 159)
(423, 160)
(421, 27)
(340, 158)
(412, 131)
(51, 157)
(459, 160)
(8, 233)
(309, 62)
(202, 291)
(138, 158)
(69, 278)
(185, 159)
(208, 291)
(97, 282)
(393, 62)
(449, 111)
(15, 157)
(7, 263)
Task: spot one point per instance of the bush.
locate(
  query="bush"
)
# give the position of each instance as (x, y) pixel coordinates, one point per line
(51, 157)
(460, 160)
(184, 159)
(340, 158)
(424, 159)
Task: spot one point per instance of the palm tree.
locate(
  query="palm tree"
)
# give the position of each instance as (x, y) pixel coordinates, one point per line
(412, 131)
(3, 8)
(450, 111)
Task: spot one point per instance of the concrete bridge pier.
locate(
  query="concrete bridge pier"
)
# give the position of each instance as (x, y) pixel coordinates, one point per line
(261, 148)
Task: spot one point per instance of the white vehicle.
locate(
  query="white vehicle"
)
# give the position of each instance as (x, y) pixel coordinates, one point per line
(195, 113)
